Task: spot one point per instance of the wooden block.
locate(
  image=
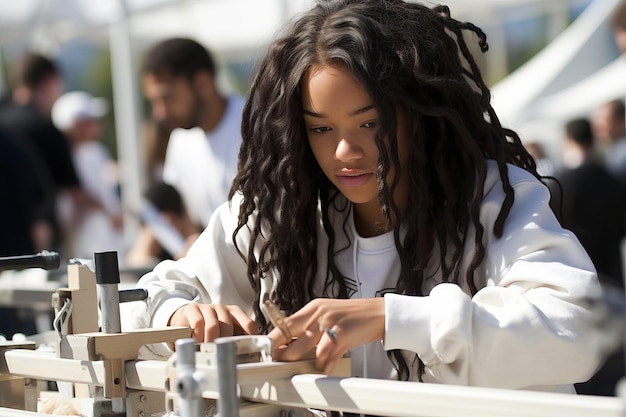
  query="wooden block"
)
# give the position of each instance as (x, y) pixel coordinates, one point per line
(80, 277)
(82, 284)
(125, 346)
(81, 390)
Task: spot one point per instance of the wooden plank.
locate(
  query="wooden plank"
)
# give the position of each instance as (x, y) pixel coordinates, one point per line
(7, 346)
(125, 345)
(12, 412)
(48, 367)
(253, 377)
(414, 399)
(294, 385)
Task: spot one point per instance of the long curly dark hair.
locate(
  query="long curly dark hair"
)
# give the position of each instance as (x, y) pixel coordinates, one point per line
(404, 54)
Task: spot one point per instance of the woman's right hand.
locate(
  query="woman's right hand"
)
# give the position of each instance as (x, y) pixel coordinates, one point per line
(210, 321)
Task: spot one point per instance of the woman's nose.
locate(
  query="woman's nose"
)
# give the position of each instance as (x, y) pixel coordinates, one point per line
(347, 150)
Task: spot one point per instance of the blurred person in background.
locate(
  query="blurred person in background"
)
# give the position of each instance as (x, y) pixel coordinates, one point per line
(594, 208)
(179, 81)
(155, 139)
(609, 129)
(97, 227)
(21, 193)
(545, 166)
(27, 118)
(593, 201)
(618, 24)
(149, 246)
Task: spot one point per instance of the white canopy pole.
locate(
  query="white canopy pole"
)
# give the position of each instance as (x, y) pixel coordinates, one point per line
(127, 117)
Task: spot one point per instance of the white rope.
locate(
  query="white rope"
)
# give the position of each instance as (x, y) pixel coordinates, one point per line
(62, 319)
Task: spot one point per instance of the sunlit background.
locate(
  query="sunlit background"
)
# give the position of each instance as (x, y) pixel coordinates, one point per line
(549, 61)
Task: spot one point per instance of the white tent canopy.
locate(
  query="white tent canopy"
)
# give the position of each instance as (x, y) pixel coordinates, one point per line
(609, 83)
(228, 23)
(575, 73)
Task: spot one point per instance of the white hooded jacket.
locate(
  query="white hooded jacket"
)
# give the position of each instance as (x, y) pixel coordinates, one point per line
(528, 326)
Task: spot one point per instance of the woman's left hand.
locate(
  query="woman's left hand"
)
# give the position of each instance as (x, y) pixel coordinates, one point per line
(331, 327)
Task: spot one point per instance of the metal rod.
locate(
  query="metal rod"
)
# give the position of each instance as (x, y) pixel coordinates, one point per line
(107, 279)
(133, 294)
(47, 260)
(228, 401)
(191, 403)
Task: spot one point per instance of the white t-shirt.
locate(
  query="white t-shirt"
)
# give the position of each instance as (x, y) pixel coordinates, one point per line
(93, 231)
(202, 165)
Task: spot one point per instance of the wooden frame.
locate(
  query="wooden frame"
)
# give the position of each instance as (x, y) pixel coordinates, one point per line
(295, 385)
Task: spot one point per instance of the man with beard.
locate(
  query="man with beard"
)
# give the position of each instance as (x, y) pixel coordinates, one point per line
(179, 81)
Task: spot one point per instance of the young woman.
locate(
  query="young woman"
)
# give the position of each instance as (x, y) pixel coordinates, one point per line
(382, 206)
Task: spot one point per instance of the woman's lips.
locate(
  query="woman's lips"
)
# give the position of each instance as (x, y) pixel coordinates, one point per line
(354, 180)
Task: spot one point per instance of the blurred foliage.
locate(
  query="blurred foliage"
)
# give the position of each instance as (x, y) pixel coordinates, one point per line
(98, 77)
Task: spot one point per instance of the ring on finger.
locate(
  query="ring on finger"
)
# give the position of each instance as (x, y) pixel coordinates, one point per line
(331, 333)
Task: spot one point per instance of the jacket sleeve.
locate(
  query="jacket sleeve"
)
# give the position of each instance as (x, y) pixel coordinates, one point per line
(531, 324)
(212, 272)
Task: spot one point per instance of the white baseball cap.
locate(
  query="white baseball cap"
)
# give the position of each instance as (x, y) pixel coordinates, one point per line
(77, 105)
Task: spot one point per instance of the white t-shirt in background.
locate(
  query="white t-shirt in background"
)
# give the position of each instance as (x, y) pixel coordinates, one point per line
(202, 165)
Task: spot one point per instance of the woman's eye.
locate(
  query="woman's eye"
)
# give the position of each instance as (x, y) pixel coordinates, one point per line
(370, 125)
(319, 130)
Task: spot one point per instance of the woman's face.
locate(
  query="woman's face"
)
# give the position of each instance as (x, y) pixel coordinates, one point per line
(341, 123)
